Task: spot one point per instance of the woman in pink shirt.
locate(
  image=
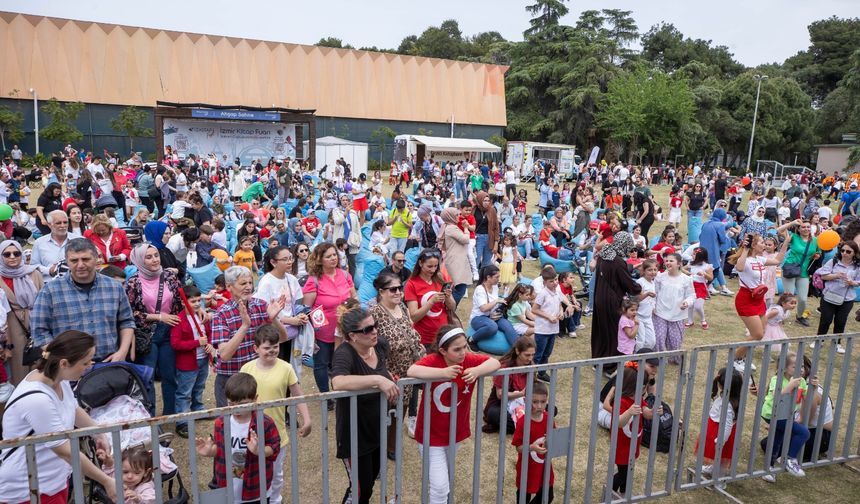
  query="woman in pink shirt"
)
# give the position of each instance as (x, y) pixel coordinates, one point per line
(327, 288)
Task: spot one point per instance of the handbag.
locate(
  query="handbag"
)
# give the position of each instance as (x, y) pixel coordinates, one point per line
(834, 298)
(143, 335)
(31, 353)
(792, 270)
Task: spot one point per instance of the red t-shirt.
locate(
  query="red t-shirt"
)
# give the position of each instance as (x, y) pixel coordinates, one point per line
(265, 233)
(462, 220)
(549, 248)
(440, 404)
(419, 290)
(606, 232)
(538, 429)
(311, 224)
(625, 433)
(676, 202)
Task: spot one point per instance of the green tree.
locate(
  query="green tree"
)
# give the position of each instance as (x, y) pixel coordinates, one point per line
(132, 121)
(828, 59)
(10, 126)
(382, 135)
(547, 14)
(667, 48)
(498, 140)
(333, 42)
(62, 126)
(647, 110)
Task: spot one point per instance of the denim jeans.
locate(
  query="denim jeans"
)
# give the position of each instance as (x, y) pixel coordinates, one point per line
(798, 286)
(592, 284)
(719, 278)
(485, 327)
(162, 358)
(527, 245)
(322, 364)
(189, 388)
(483, 253)
(460, 189)
(798, 437)
(458, 293)
(397, 244)
(544, 343)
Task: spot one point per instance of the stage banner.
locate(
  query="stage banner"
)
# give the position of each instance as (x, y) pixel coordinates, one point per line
(245, 140)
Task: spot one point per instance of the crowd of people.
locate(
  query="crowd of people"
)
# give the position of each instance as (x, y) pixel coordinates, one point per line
(109, 245)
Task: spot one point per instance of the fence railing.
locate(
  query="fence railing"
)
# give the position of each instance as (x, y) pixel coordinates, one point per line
(584, 451)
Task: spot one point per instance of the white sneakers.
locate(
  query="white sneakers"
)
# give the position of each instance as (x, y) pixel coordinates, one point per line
(770, 478)
(740, 366)
(840, 349)
(793, 468)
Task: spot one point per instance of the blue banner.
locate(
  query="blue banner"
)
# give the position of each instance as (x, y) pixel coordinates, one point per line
(235, 115)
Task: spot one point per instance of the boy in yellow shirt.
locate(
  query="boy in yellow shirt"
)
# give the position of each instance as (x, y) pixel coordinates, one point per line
(245, 255)
(274, 378)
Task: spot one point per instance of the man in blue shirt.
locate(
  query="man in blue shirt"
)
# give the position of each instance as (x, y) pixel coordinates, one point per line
(848, 197)
(84, 299)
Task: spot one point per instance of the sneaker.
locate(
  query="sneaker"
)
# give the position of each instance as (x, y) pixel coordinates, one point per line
(793, 467)
(580, 326)
(705, 324)
(812, 345)
(410, 426)
(573, 335)
(840, 349)
(713, 291)
(770, 478)
(740, 366)
(473, 346)
(182, 431)
(803, 322)
(726, 292)
(720, 486)
(543, 376)
(707, 469)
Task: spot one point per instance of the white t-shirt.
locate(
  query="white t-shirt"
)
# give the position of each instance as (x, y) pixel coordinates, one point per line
(481, 297)
(44, 413)
(548, 302)
(783, 213)
(510, 177)
(179, 207)
(646, 306)
(825, 212)
(753, 272)
(271, 288)
(238, 450)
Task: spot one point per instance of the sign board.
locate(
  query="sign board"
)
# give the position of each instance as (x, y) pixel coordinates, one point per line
(592, 159)
(515, 155)
(247, 141)
(235, 115)
(565, 161)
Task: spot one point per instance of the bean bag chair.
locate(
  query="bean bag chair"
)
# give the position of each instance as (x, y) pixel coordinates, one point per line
(322, 215)
(496, 345)
(204, 276)
(372, 265)
(230, 228)
(364, 256)
(525, 281)
(412, 257)
(130, 270)
(694, 227)
(559, 265)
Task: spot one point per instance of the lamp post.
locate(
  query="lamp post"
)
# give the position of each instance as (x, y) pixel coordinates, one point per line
(36, 116)
(759, 79)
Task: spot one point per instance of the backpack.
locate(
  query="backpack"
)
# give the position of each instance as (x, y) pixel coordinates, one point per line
(664, 432)
(817, 281)
(5, 454)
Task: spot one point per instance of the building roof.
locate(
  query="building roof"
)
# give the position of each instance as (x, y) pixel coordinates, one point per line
(331, 140)
(113, 64)
(456, 144)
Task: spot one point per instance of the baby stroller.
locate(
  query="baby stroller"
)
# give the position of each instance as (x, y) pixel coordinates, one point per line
(117, 391)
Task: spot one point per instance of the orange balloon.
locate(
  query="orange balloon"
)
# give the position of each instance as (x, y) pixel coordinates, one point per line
(828, 239)
(221, 258)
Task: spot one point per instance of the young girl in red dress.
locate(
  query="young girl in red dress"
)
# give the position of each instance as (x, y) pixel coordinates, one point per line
(726, 433)
(625, 424)
(455, 365)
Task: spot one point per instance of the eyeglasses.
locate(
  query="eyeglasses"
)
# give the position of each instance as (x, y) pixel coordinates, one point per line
(366, 330)
(288, 258)
(14, 253)
(302, 250)
(394, 289)
(846, 251)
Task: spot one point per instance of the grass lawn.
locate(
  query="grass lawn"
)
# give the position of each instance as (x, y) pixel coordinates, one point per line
(834, 484)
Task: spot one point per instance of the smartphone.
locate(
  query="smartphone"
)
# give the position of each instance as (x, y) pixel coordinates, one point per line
(446, 286)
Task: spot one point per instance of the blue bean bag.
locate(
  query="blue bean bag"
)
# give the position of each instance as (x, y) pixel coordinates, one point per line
(412, 257)
(496, 345)
(525, 281)
(694, 228)
(204, 276)
(372, 265)
(322, 215)
(559, 265)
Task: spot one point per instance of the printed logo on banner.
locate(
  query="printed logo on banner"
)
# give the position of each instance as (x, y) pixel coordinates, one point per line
(247, 141)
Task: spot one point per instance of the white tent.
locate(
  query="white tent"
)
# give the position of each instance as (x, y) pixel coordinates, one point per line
(330, 149)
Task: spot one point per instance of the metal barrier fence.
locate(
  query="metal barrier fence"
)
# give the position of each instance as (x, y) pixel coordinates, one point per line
(584, 451)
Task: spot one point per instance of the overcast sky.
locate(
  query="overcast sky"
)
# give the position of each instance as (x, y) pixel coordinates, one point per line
(756, 31)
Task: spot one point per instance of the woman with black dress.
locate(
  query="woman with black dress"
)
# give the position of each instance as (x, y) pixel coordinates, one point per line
(613, 284)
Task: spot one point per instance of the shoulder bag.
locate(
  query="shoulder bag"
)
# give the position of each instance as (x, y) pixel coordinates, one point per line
(143, 335)
(792, 270)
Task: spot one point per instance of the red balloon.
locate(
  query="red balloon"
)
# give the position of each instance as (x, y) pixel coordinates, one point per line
(837, 219)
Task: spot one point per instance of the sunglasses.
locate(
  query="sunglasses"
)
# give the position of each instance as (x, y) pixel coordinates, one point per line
(394, 289)
(846, 251)
(366, 330)
(400, 261)
(426, 254)
(14, 253)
